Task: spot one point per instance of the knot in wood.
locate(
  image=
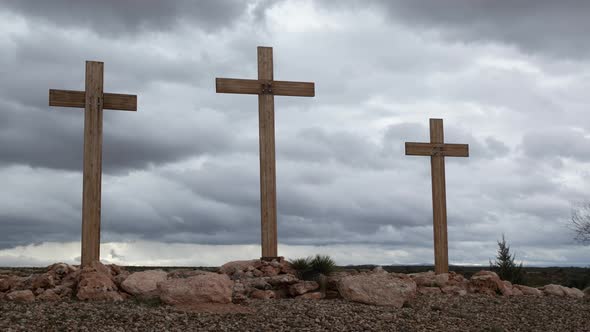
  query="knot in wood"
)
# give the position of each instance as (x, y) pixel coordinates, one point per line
(437, 150)
(267, 88)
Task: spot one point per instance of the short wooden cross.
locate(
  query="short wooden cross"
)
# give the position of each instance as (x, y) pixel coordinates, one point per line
(266, 88)
(437, 149)
(93, 100)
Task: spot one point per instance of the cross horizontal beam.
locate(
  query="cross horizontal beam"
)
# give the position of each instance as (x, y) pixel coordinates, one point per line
(258, 87)
(111, 101)
(436, 149)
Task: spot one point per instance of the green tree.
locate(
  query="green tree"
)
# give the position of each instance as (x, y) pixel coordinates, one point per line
(505, 266)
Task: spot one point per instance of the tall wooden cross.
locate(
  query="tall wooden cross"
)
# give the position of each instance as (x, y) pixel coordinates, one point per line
(437, 149)
(266, 88)
(93, 100)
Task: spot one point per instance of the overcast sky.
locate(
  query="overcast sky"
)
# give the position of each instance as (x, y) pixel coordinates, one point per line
(180, 182)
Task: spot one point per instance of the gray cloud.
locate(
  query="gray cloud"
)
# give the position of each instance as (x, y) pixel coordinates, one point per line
(543, 27)
(184, 168)
(119, 18)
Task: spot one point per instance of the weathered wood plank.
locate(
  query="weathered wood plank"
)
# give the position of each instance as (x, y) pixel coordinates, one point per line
(268, 199)
(112, 101)
(439, 202)
(92, 176)
(255, 87)
(431, 149)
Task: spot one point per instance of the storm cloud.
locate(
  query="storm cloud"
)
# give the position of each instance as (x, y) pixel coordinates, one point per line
(181, 175)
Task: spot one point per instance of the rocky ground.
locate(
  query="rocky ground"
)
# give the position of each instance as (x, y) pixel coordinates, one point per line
(260, 295)
(472, 312)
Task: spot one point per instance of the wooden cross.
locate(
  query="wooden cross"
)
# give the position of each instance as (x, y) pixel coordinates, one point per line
(93, 100)
(266, 88)
(437, 149)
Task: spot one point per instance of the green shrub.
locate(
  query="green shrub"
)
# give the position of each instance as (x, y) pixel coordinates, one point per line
(310, 268)
(301, 265)
(323, 264)
(505, 266)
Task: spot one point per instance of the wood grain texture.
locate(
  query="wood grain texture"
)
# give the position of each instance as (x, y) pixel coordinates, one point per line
(111, 101)
(437, 149)
(268, 199)
(254, 87)
(93, 100)
(266, 88)
(431, 149)
(91, 198)
(439, 202)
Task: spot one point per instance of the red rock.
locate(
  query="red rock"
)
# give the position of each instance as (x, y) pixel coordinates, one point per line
(12, 283)
(528, 290)
(311, 296)
(262, 294)
(230, 268)
(287, 268)
(551, 289)
(24, 296)
(185, 273)
(377, 289)
(43, 281)
(282, 279)
(144, 284)
(96, 284)
(573, 292)
(430, 279)
(205, 288)
(516, 291)
(270, 271)
(487, 282)
(303, 287)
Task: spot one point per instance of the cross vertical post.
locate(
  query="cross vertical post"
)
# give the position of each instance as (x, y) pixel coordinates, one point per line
(93, 100)
(266, 88)
(437, 149)
(266, 129)
(91, 196)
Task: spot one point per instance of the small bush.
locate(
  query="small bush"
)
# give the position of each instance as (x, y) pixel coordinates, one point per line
(310, 268)
(301, 265)
(323, 264)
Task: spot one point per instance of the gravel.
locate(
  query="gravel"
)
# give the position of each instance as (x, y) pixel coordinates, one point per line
(436, 313)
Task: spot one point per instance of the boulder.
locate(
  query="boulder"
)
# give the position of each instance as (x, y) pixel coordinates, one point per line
(587, 292)
(230, 268)
(144, 284)
(24, 296)
(573, 292)
(303, 287)
(488, 282)
(430, 279)
(96, 284)
(377, 289)
(552, 289)
(258, 283)
(44, 281)
(269, 270)
(11, 283)
(262, 294)
(526, 290)
(59, 270)
(205, 288)
(282, 279)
